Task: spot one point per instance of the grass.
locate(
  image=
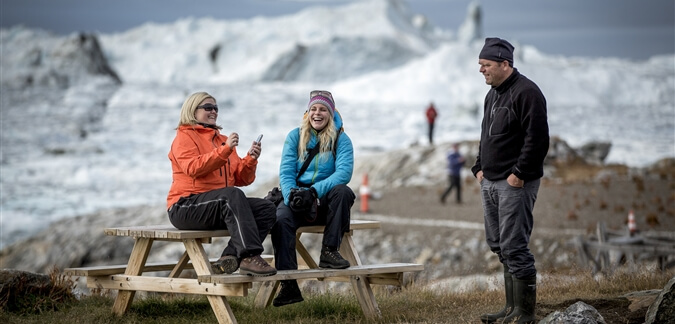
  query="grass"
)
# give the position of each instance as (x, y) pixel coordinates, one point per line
(412, 305)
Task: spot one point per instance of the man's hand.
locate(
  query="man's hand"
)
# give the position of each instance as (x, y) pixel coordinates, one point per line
(479, 176)
(514, 181)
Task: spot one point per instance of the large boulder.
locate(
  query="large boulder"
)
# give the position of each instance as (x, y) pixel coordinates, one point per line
(80, 241)
(663, 308)
(577, 313)
(24, 292)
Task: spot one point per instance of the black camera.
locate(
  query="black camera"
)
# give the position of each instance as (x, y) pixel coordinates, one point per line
(296, 199)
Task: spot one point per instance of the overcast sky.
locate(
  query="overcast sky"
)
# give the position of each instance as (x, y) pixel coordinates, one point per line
(635, 29)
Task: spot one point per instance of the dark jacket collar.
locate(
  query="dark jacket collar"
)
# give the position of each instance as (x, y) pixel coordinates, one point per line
(508, 82)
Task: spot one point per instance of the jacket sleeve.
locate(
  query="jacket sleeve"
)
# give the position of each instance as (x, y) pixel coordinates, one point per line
(344, 166)
(477, 166)
(288, 167)
(187, 157)
(244, 173)
(536, 135)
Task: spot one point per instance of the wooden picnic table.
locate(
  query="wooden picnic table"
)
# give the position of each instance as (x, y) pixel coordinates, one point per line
(129, 278)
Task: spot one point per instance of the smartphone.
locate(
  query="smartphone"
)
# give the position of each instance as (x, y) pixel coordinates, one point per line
(259, 138)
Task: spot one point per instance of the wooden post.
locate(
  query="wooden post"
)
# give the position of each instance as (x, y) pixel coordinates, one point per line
(139, 254)
(202, 266)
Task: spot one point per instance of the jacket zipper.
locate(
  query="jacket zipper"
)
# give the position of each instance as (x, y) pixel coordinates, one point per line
(213, 141)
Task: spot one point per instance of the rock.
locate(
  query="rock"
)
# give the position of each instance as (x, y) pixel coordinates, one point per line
(424, 166)
(577, 313)
(641, 299)
(663, 308)
(24, 293)
(80, 241)
(595, 152)
(11, 280)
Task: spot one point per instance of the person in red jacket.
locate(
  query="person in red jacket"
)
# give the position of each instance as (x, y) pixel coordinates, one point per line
(431, 119)
(204, 196)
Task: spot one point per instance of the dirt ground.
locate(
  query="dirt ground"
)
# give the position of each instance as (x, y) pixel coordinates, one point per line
(579, 205)
(564, 208)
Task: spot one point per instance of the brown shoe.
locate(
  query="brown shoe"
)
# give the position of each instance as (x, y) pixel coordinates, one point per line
(256, 266)
(226, 264)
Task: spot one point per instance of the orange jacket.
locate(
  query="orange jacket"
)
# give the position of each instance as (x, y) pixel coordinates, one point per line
(201, 161)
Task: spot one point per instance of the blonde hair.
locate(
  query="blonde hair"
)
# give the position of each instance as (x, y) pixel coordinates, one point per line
(326, 136)
(187, 112)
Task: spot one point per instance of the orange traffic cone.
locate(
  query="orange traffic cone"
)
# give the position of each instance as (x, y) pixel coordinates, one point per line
(632, 228)
(364, 192)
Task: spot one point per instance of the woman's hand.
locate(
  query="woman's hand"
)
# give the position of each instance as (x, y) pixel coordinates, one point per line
(255, 150)
(232, 140)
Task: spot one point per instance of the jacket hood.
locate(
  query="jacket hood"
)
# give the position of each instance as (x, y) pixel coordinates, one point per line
(337, 119)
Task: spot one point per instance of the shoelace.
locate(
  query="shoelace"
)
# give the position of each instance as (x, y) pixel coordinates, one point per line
(257, 260)
(333, 255)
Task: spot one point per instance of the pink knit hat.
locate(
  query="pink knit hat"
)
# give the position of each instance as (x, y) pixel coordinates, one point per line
(321, 97)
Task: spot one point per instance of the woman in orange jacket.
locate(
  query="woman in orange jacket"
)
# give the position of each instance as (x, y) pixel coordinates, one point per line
(206, 169)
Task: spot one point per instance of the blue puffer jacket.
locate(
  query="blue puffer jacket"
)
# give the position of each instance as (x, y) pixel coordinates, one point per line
(325, 171)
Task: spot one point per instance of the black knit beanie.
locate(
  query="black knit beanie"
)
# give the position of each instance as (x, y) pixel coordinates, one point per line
(497, 49)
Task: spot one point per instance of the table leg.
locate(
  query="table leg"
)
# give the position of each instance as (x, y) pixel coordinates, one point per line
(304, 253)
(266, 293)
(361, 284)
(364, 293)
(178, 269)
(348, 250)
(200, 262)
(268, 289)
(139, 254)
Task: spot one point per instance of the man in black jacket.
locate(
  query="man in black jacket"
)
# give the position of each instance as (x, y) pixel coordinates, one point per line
(510, 163)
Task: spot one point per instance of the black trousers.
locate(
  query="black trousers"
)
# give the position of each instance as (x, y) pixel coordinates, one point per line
(334, 212)
(248, 220)
(455, 182)
(431, 133)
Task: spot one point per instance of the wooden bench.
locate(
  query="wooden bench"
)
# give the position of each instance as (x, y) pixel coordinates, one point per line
(148, 267)
(128, 279)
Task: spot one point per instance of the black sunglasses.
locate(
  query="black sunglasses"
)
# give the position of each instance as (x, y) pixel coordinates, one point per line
(208, 107)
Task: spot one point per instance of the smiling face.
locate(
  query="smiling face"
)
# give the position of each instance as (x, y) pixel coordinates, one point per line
(206, 117)
(494, 72)
(319, 115)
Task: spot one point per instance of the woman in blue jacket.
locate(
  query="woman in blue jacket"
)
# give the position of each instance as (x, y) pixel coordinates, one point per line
(317, 195)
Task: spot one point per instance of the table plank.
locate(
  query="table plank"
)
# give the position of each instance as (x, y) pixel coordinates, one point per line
(373, 269)
(167, 285)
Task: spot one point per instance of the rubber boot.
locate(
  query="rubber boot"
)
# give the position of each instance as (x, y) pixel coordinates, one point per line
(508, 288)
(524, 298)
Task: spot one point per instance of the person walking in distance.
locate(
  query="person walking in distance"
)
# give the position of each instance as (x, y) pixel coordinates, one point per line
(455, 164)
(510, 163)
(431, 119)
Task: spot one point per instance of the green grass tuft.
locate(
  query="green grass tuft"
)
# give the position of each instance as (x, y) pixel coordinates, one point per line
(412, 305)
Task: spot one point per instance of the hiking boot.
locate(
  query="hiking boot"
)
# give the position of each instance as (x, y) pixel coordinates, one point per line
(256, 266)
(289, 294)
(226, 264)
(332, 259)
